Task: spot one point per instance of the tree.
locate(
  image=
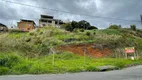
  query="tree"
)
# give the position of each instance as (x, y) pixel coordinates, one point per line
(67, 27)
(133, 27)
(114, 26)
(84, 24)
(92, 27)
(74, 24)
(78, 25)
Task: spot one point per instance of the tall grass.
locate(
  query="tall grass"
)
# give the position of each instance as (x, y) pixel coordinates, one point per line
(13, 63)
(30, 53)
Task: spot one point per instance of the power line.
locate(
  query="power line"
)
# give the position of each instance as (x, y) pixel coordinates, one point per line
(69, 12)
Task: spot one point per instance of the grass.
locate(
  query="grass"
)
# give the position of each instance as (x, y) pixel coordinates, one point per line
(14, 63)
(29, 53)
(108, 31)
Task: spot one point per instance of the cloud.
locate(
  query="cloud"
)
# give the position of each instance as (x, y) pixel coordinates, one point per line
(122, 9)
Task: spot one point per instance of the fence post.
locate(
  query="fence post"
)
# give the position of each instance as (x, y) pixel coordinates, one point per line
(53, 56)
(85, 51)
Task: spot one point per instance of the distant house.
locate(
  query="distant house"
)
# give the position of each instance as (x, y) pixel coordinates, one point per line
(3, 28)
(26, 25)
(47, 20)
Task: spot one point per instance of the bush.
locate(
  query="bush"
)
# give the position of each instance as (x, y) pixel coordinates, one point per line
(88, 33)
(4, 70)
(28, 40)
(67, 27)
(94, 33)
(9, 60)
(133, 27)
(82, 30)
(114, 27)
(31, 33)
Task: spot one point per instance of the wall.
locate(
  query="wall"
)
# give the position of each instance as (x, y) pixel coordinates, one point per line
(26, 26)
(48, 24)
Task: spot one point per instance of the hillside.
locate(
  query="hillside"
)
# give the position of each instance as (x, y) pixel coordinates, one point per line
(32, 52)
(40, 41)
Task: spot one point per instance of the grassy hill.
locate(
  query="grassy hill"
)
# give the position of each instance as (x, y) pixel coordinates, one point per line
(31, 52)
(39, 41)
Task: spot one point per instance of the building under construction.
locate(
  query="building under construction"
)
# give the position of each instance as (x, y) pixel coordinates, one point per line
(47, 20)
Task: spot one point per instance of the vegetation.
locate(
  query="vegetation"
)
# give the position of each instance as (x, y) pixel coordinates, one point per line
(14, 63)
(31, 52)
(133, 27)
(78, 25)
(114, 26)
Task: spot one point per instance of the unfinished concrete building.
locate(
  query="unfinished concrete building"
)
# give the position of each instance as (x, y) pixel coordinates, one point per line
(47, 20)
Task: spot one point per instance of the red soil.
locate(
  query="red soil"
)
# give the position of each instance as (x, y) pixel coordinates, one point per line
(78, 49)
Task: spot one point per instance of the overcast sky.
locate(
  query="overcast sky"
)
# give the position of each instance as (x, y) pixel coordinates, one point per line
(10, 13)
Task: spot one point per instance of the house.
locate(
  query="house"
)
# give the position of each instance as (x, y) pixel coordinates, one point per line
(3, 28)
(47, 20)
(26, 25)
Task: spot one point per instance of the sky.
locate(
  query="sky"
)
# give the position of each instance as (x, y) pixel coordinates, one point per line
(127, 10)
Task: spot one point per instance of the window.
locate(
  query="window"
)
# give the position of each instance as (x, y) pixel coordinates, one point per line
(49, 21)
(43, 20)
(56, 22)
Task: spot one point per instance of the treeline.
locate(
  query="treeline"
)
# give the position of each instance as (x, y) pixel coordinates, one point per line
(78, 25)
(114, 26)
(71, 26)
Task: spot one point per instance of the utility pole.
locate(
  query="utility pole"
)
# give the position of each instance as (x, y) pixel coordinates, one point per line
(141, 19)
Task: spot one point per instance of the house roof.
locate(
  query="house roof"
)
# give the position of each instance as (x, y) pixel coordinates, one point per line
(47, 16)
(23, 20)
(2, 25)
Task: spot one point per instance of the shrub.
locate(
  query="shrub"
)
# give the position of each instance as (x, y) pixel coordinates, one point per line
(88, 33)
(31, 33)
(4, 70)
(82, 30)
(67, 27)
(94, 33)
(76, 30)
(133, 27)
(28, 40)
(114, 27)
(9, 60)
